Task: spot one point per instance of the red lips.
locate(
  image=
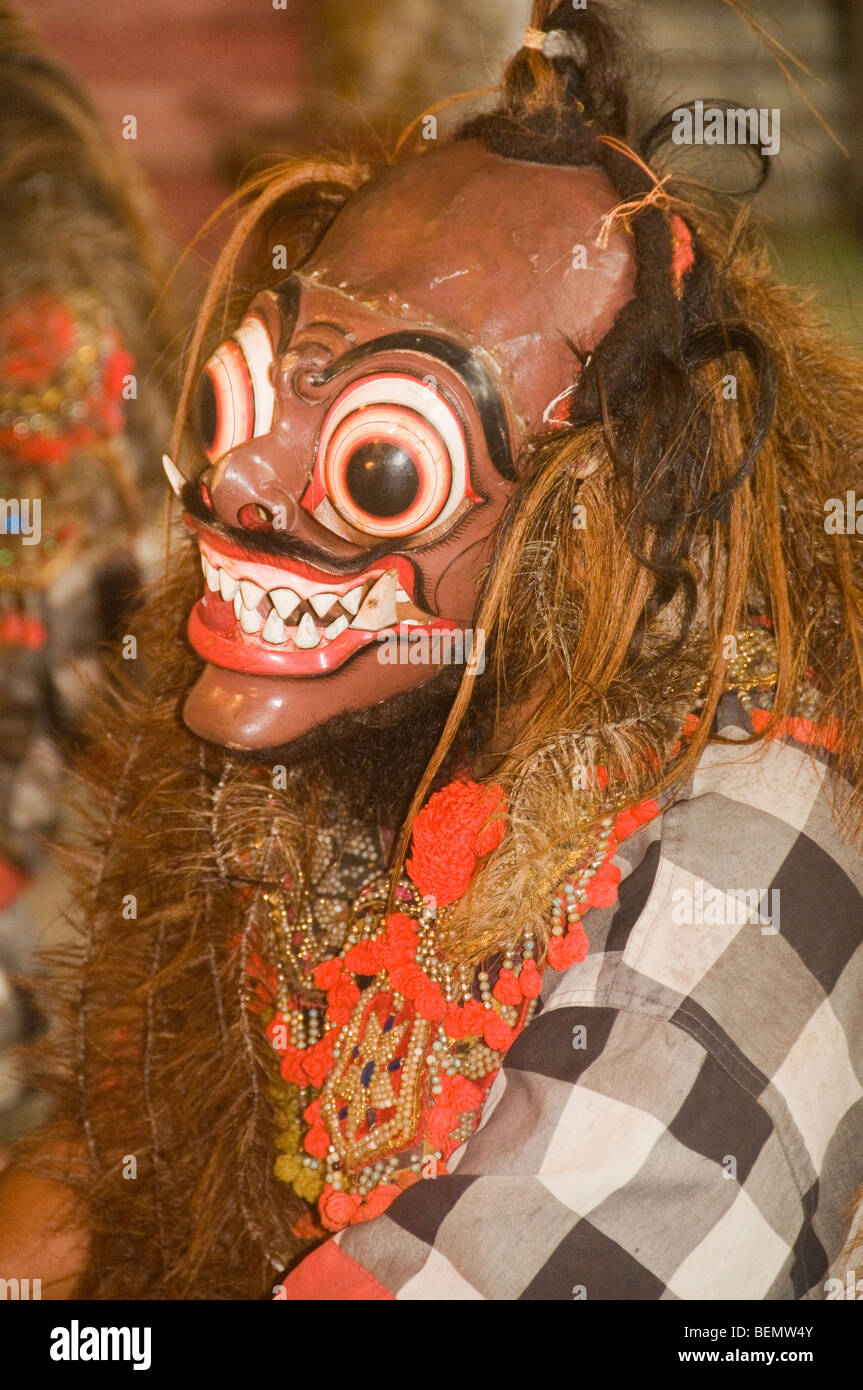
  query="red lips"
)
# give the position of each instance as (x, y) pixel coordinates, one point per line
(216, 634)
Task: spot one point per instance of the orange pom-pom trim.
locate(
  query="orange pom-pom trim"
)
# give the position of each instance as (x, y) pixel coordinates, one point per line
(450, 833)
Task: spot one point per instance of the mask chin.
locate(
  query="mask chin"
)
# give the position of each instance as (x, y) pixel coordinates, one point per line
(261, 713)
(351, 754)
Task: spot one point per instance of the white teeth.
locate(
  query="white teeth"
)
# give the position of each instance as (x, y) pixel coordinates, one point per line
(252, 593)
(284, 601)
(377, 611)
(307, 634)
(351, 601)
(274, 630)
(250, 622)
(322, 603)
(379, 608)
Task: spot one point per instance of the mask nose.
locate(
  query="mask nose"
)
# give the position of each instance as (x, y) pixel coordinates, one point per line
(243, 491)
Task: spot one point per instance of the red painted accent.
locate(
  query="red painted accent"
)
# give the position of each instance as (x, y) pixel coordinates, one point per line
(233, 653)
(683, 256)
(329, 1275)
(234, 650)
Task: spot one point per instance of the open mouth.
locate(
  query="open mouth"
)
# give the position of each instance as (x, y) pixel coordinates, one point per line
(292, 619)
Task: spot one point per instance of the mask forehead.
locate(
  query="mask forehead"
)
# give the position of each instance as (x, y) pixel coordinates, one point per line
(499, 253)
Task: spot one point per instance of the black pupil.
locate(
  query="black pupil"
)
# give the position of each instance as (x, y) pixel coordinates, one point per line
(206, 413)
(382, 479)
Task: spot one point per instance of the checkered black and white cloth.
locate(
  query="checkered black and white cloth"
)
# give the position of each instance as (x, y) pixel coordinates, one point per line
(684, 1117)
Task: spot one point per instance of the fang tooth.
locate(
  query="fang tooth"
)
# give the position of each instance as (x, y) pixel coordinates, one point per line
(211, 575)
(284, 601)
(351, 601)
(307, 635)
(379, 608)
(402, 596)
(176, 481)
(336, 627)
(274, 629)
(252, 593)
(322, 603)
(238, 604)
(227, 585)
(250, 622)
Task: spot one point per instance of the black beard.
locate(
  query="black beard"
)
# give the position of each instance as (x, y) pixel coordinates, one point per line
(375, 758)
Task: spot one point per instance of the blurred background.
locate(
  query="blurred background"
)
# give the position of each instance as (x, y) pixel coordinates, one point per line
(192, 96)
(215, 84)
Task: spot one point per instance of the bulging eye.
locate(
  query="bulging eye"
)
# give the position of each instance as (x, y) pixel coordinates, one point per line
(387, 470)
(392, 457)
(235, 399)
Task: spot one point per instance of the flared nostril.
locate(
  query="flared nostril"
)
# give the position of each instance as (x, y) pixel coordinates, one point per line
(255, 517)
(243, 492)
(204, 489)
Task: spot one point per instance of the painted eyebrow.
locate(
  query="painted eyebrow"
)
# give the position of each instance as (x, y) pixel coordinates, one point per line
(287, 294)
(460, 360)
(330, 323)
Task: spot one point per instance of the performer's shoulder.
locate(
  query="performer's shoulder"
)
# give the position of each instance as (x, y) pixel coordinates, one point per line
(745, 891)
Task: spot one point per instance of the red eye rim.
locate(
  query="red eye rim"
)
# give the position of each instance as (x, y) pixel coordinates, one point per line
(243, 397)
(234, 399)
(387, 423)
